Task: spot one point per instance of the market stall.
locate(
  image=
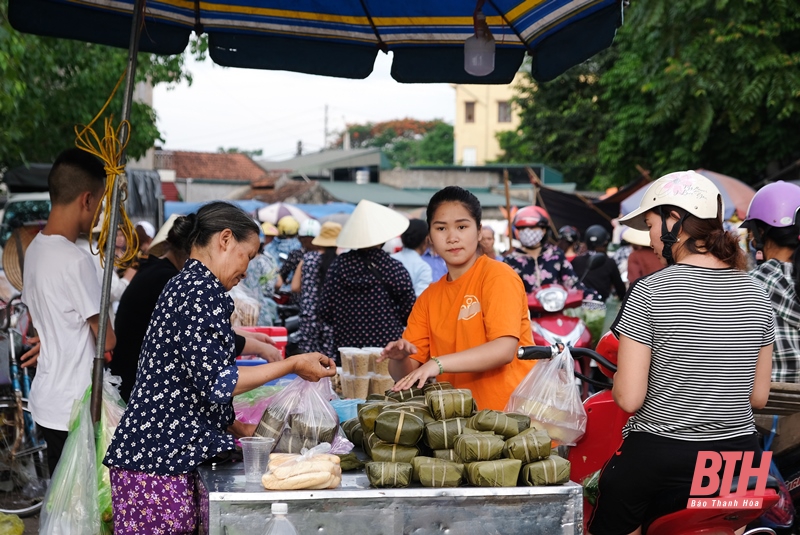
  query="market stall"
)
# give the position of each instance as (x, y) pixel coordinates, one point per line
(232, 507)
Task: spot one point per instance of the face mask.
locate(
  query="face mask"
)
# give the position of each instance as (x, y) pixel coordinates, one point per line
(531, 237)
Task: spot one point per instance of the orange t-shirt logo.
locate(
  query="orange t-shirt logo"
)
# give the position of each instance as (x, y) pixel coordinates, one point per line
(470, 308)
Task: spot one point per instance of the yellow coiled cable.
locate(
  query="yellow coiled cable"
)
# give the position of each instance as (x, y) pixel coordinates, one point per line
(109, 149)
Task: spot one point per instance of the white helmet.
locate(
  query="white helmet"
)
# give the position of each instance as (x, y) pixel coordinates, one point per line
(685, 189)
(309, 228)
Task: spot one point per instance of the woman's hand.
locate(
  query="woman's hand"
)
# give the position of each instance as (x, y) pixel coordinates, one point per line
(417, 377)
(258, 337)
(31, 356)
(240, 429)
(313, 366)
(397, 350)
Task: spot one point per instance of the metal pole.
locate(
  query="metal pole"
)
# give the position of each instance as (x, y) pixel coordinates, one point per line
(508, 204)
(105, 298)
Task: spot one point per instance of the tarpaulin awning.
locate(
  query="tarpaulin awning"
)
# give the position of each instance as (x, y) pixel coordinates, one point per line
(571, 209)
(342, 38)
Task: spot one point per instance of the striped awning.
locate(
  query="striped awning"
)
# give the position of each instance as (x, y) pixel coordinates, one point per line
(342, 37)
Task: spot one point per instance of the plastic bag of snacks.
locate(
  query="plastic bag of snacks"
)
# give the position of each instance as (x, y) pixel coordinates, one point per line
(549, 396)
(300, 416)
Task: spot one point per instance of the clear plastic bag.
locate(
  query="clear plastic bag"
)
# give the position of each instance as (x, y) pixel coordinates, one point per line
(549, 396)
(301, 416)
(249, 406)
(70, 505)
(246, 308)
(112, 410)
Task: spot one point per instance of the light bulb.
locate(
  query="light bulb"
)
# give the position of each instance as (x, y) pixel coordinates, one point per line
(479, 49)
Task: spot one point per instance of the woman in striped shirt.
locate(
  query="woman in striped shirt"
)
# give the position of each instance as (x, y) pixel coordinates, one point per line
(694, 357)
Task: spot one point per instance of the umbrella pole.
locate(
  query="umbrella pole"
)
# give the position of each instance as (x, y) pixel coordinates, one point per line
(105, 298)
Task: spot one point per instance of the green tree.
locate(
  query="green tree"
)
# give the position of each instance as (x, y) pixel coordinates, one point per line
(709, 84)
(47, 86)
(404, 141)
(695, 83)
(562, 122)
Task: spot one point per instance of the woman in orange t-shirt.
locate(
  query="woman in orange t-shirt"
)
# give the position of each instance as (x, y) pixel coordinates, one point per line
(466, 327)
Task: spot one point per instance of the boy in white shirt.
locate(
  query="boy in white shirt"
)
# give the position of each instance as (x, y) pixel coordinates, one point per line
(62, 293)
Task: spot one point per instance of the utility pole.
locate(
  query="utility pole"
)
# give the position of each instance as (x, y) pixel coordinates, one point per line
(299, 148)
(325, 141)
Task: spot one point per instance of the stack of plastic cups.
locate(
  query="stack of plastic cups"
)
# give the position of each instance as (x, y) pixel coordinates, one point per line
(379, 379)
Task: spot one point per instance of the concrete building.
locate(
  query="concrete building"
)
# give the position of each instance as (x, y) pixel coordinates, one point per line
(481, 112)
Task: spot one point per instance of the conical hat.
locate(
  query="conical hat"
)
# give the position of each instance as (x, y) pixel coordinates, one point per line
(13, 264)
(371, 224)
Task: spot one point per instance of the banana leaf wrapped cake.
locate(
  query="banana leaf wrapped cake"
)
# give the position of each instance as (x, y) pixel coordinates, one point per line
(446, 404)
(367, 413)
(530, 445)
(551, 471)
(389, 475)
(445, 455)
(385, 452)
(420, 409)
(523, 420)
(404, 395)
(499, 473)
(495, 421)
(474, 448)
(292, 442)
(444, 385)
(318, 426)
(439, 435)
(399, 426)
(441, 474)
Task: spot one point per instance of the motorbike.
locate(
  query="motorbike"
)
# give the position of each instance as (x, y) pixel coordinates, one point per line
(603, 436)
(550, 325)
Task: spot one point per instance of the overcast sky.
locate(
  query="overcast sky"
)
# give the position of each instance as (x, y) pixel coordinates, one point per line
(272, 110)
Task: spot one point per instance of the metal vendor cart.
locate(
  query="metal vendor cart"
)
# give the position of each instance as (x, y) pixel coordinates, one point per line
(229, 506)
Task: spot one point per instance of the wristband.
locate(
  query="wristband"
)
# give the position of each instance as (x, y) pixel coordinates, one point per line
(438, 363)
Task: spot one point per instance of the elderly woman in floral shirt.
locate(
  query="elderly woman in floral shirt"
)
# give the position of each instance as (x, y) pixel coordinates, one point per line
(180, 412)
(538, 262)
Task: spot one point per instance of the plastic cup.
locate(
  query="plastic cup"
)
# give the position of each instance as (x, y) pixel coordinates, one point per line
(255, 451)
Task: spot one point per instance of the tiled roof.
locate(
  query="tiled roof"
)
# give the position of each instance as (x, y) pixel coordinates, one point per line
(271, 195)
(387, 195)
(210, 165)
(170, 191)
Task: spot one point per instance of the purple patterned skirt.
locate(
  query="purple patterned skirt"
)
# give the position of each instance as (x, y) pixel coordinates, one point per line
(153, 504)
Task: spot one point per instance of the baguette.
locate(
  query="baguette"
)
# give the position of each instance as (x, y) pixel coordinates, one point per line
(288, 470)
(277, 459)
(309, 480)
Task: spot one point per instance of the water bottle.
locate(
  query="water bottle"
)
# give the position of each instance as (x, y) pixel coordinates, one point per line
(280, 525)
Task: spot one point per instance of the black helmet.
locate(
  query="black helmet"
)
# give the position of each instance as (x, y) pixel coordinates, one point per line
(569, 234)
(596, 236)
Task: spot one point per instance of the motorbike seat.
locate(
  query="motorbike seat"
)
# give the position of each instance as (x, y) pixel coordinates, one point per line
(676, 500)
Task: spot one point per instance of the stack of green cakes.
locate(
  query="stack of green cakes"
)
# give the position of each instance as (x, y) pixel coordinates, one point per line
(435, 436)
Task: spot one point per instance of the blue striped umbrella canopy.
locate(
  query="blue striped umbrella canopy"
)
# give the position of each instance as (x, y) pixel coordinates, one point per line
(342, 38)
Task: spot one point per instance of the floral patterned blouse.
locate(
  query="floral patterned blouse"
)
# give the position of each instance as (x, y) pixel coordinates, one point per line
(552, 267)
(181, 405)
(315, 334)
(366, 308)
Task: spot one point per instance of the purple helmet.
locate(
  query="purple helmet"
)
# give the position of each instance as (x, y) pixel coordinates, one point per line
(775, 204)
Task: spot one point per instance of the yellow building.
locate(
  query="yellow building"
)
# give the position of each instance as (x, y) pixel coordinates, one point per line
(481, 112)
